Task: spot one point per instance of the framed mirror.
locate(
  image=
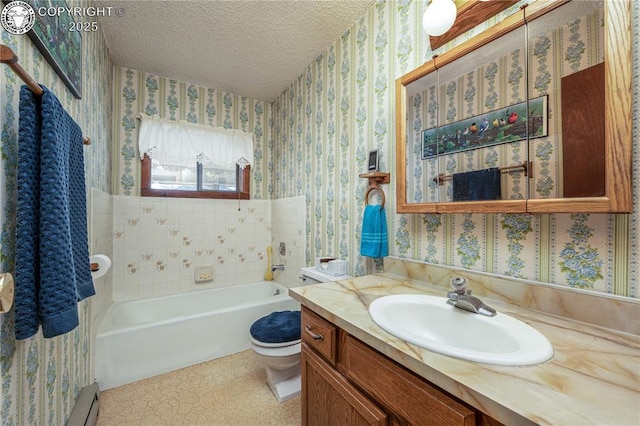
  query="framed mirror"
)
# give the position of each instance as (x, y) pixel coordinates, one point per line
(482, 153)
(492, 110)
(421, 155)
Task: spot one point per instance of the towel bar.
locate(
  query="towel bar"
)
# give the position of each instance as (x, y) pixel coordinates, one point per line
(526, 167)
(8, 57)
(380, 191)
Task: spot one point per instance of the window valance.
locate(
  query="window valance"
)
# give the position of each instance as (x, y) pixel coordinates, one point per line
(181, 143)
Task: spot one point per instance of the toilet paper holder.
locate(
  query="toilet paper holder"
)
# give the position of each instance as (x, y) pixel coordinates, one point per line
(99, 265)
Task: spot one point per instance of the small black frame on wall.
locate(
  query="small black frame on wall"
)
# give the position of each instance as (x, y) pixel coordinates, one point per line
(373, 161)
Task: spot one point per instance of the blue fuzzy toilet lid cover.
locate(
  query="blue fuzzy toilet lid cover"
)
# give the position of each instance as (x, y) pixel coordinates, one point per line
(277, 327)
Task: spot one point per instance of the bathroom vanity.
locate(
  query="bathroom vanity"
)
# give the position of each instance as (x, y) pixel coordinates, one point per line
(353, 370)
(335, 366)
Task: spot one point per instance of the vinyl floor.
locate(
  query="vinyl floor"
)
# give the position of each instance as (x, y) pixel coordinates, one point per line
(228, 391)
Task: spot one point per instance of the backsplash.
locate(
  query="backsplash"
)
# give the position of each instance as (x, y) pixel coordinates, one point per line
(612, 312)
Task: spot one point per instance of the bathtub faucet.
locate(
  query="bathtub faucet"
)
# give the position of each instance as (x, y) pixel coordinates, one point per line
(277, 267)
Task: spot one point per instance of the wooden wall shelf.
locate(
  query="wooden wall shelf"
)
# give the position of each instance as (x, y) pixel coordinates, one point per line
(376, 178)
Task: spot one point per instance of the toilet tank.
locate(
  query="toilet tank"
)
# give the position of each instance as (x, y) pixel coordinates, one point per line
(311, 275)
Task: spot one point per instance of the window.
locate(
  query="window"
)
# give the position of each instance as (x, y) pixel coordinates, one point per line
(197, 181)
(181, 159)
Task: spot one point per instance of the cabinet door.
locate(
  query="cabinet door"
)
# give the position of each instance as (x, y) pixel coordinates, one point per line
(328, 399)
(400, 392)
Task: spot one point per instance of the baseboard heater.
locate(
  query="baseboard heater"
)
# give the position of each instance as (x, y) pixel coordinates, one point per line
(85, 412)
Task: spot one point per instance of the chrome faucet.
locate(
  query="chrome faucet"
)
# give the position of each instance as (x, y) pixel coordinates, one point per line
(277, 267)
(461, 298)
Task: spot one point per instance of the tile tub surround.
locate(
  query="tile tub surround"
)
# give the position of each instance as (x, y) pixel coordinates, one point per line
(158, 242)
(593, 377)
(287, 226)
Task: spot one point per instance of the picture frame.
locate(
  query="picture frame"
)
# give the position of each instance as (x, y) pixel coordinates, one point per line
(373, 164)
(60, 43)
(504, 125)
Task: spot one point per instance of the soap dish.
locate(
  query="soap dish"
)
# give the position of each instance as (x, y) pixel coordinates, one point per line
(203, 274)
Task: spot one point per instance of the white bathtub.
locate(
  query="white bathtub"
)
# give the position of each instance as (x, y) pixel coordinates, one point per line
(144, 338)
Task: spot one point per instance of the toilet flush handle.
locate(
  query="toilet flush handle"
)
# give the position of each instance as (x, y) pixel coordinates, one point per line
(313, 335)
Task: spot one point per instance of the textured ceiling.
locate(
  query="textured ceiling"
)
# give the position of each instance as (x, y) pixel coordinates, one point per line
(251, 48)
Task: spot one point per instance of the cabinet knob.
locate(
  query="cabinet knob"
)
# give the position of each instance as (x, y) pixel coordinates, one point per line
(313, 335)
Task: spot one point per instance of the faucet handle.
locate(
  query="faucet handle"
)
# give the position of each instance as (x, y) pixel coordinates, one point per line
(459, 284)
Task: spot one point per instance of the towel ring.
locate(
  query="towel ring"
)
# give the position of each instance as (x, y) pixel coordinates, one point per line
(366, 195)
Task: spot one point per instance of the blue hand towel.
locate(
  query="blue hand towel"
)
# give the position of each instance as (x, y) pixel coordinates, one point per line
(374, 242)
(52, 254)
(478, 185)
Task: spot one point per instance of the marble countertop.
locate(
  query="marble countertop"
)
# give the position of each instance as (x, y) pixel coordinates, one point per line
(593, 377)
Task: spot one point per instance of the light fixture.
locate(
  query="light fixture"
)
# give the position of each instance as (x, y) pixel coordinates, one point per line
(439, 17)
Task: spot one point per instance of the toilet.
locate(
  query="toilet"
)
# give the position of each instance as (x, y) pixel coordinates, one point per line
(275, 338)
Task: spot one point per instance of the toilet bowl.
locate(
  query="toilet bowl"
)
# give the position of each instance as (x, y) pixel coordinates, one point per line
(282, 365)
(275, 339)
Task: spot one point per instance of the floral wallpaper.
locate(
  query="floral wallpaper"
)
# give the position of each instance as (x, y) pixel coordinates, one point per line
(342, 106)
(41, 378)
(137, 92)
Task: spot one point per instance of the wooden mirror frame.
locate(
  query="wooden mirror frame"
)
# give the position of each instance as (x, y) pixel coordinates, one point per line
(618, 196)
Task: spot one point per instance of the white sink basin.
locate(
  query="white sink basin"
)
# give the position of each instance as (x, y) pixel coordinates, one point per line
(429, 322)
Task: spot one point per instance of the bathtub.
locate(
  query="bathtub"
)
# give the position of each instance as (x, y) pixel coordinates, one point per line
(144, 338)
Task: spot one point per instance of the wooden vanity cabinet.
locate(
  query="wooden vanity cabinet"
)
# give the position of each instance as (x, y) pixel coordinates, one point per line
(356, 385)
(327, 397)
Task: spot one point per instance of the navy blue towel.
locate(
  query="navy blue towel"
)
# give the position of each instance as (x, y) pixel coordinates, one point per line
(277, 327)
(478, 185)
(52, 253)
